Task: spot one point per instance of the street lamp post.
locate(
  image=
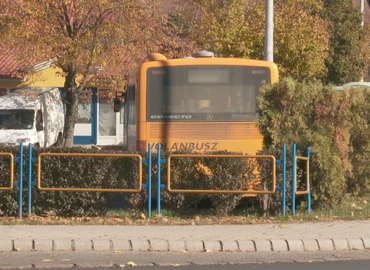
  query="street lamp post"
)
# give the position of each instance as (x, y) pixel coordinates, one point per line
(362, 9)
(269, 32)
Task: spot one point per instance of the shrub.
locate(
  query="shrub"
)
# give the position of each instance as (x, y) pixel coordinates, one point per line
(310, 114)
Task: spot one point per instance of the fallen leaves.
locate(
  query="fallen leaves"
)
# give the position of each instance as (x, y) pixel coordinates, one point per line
(281, 226)
(131, 263)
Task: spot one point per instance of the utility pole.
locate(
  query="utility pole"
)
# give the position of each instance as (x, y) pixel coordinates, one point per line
(362, 10)
(269, 31)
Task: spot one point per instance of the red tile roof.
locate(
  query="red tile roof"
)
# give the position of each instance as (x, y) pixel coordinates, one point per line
(8, 64)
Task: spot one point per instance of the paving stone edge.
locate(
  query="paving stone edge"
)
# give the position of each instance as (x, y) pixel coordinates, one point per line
(155, 245)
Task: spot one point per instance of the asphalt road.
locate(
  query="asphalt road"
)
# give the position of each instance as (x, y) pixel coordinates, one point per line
(87, 259)
(337, 265)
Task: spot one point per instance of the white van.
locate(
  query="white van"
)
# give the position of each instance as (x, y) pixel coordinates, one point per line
(32, 115)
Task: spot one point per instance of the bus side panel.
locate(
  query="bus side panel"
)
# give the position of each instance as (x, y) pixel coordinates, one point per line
(142, 139)
(130, 128)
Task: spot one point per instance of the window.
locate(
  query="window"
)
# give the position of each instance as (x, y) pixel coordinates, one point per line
(84, 107)
(192, 93)
(107, 116)
(3, 91)
(16, 119)
(39, 121)
(122, 113)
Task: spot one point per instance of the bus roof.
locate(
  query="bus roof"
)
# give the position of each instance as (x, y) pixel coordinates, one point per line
(201, 58)
(157, 59)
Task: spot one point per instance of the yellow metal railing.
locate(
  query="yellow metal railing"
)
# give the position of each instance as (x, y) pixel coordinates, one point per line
(11, 171)
(241, 191)
(307, 190)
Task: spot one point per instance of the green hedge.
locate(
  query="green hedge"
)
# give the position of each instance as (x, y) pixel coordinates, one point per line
(71, 172)
(335, 124)
(121, 172)
(204, 173)
(8, 198)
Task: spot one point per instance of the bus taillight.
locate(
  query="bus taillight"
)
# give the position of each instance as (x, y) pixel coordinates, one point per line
(141, 145)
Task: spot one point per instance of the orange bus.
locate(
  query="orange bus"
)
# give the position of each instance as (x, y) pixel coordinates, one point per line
(200, 104)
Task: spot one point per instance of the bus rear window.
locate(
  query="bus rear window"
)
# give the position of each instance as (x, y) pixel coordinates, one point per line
(204, 93)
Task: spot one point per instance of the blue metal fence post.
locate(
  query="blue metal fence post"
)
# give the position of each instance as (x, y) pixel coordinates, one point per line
(20, 203)
(159, 179)
(29, 179)
(282, 188)
(149, 188)
(294, 172)
(284, 179)
(308, 154)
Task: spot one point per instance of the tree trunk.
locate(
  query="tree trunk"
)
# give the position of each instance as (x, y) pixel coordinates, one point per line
(71, 101)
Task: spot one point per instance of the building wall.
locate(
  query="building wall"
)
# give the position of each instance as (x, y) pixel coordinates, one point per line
(45, 78)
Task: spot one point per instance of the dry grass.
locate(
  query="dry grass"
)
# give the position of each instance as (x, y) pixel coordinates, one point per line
(352, 208)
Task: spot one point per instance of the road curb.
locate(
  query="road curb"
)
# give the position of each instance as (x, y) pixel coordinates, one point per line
(158, 245)
(295, 245)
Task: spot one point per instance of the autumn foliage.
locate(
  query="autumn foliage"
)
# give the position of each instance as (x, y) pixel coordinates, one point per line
(82, 37)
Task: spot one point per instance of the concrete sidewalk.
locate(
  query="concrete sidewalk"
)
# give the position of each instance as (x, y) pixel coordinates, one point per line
(316, 236)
